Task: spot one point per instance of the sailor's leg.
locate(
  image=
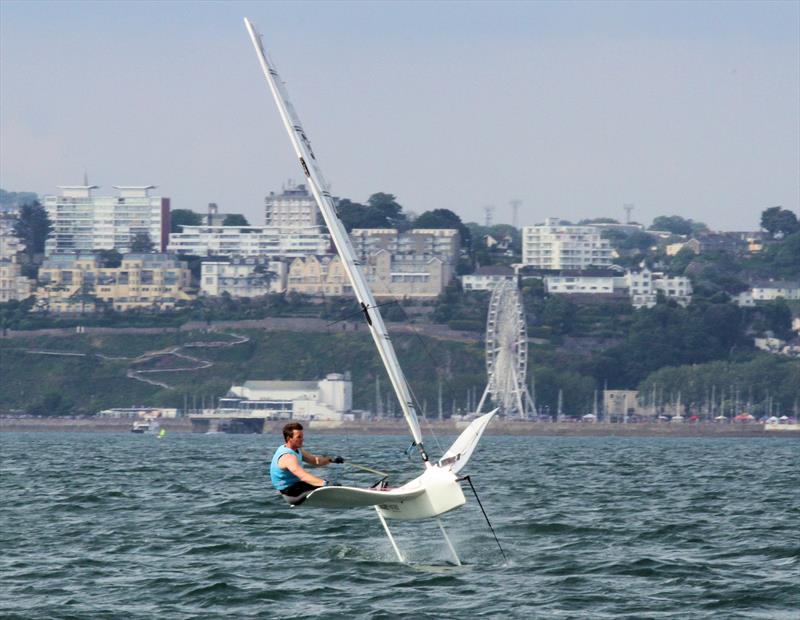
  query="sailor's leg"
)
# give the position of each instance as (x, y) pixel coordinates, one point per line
(389, 534)
(449, 544)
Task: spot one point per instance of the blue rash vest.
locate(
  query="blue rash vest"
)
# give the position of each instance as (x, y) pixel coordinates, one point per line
(283, 478)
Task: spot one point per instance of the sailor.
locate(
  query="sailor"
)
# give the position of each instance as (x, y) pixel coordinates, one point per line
(286, 471)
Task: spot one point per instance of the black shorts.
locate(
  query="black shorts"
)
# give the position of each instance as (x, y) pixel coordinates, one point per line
(298, 488)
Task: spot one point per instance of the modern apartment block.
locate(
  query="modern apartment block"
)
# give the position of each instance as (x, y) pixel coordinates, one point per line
(249, 241)
(70, 283)
(250, 276)
(443, 243)
(84, 223)
(557, 245)
(295, 207)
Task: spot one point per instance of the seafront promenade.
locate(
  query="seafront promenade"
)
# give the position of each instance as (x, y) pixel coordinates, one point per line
(392, 427)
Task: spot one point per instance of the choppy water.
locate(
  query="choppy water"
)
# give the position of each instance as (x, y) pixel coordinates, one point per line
(125, 526)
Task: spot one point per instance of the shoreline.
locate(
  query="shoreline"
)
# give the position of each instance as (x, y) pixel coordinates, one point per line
(398, 427)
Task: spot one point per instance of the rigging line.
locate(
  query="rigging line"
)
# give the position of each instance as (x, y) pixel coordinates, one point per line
(472, 486)
(358, 312)
(435, 365)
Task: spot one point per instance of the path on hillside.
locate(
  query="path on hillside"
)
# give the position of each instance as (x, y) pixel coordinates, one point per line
(289, 324)
(149, 356)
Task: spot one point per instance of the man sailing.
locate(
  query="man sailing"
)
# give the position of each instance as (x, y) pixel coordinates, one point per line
(286, 471)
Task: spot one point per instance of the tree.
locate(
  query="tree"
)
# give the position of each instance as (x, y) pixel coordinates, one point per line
(184, 217)
(779, 222)
(235, 219)
(32, 228)
(677, 225)
(141, 243)
(386, 205)
(444, 218)
(109, 259)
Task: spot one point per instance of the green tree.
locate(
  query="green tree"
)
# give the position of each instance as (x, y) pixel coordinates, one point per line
(235, 219)
(17, 198)
(386, 205)
(141, 243)
(184, 217)
(357, 215)
(677, 225)
(33, 227)
(109, 258)
(778, 221)
(444, 218)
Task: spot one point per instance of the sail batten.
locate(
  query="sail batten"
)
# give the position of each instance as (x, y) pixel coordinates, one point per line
(341, 239)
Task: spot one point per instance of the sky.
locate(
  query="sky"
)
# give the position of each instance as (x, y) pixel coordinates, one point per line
(572, 108)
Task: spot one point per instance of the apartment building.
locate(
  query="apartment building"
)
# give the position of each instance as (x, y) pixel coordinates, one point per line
(576, 282)
(13, 285)
(486, 278)
(250, 276)
(443, 243)
(86, 223)
(249, 241)
(294, 207)
(72, 283)
(558, 245)
(401, 275)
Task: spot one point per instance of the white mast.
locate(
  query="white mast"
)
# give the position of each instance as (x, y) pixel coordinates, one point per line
(319, 189)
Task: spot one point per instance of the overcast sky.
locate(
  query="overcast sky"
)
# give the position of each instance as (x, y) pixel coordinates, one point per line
(690, 109)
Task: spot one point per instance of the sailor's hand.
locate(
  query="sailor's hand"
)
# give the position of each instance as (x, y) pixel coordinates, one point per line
(338, 460)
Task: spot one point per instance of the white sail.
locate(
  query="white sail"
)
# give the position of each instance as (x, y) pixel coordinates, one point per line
(326, 205)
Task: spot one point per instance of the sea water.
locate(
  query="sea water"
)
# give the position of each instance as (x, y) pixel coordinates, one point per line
(133, 526)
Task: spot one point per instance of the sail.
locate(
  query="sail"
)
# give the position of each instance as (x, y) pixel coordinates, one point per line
(319, 188)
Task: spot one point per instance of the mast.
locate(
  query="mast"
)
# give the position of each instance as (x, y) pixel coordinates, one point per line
(319, 188)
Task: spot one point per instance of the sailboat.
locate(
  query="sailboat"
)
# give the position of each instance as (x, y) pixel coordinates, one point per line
(438, 489)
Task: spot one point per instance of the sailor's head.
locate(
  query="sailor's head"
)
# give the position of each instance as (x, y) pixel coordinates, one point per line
(293, 435)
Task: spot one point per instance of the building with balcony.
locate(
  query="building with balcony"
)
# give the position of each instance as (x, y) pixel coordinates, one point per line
(249, 241)
(558, 245)
(442, 243)
(250, 276)
(86, 223)
(294, 207)
(404, 275)
(72, 283)
(486, 278)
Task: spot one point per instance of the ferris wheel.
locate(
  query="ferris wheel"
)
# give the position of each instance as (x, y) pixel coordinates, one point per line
(506, 351)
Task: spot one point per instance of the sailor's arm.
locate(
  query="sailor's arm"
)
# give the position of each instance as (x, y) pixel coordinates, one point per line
(315, 460)
(290, 462)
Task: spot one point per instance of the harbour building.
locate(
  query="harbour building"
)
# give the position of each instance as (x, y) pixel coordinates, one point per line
(85, 223)
(249, 241)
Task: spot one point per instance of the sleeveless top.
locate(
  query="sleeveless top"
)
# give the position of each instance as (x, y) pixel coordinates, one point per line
(283, 478)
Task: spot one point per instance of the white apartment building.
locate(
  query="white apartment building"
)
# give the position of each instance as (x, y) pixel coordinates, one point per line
(769, 291)
(249, 241)
(556, 245)
(643, 287)
(295, 207)
(250, 276)
(580, 283)
(443, 243)
(486, 278)
(328, 399)
(86, 223)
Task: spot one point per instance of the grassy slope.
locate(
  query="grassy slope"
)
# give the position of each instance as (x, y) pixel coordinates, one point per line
(88, 384)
